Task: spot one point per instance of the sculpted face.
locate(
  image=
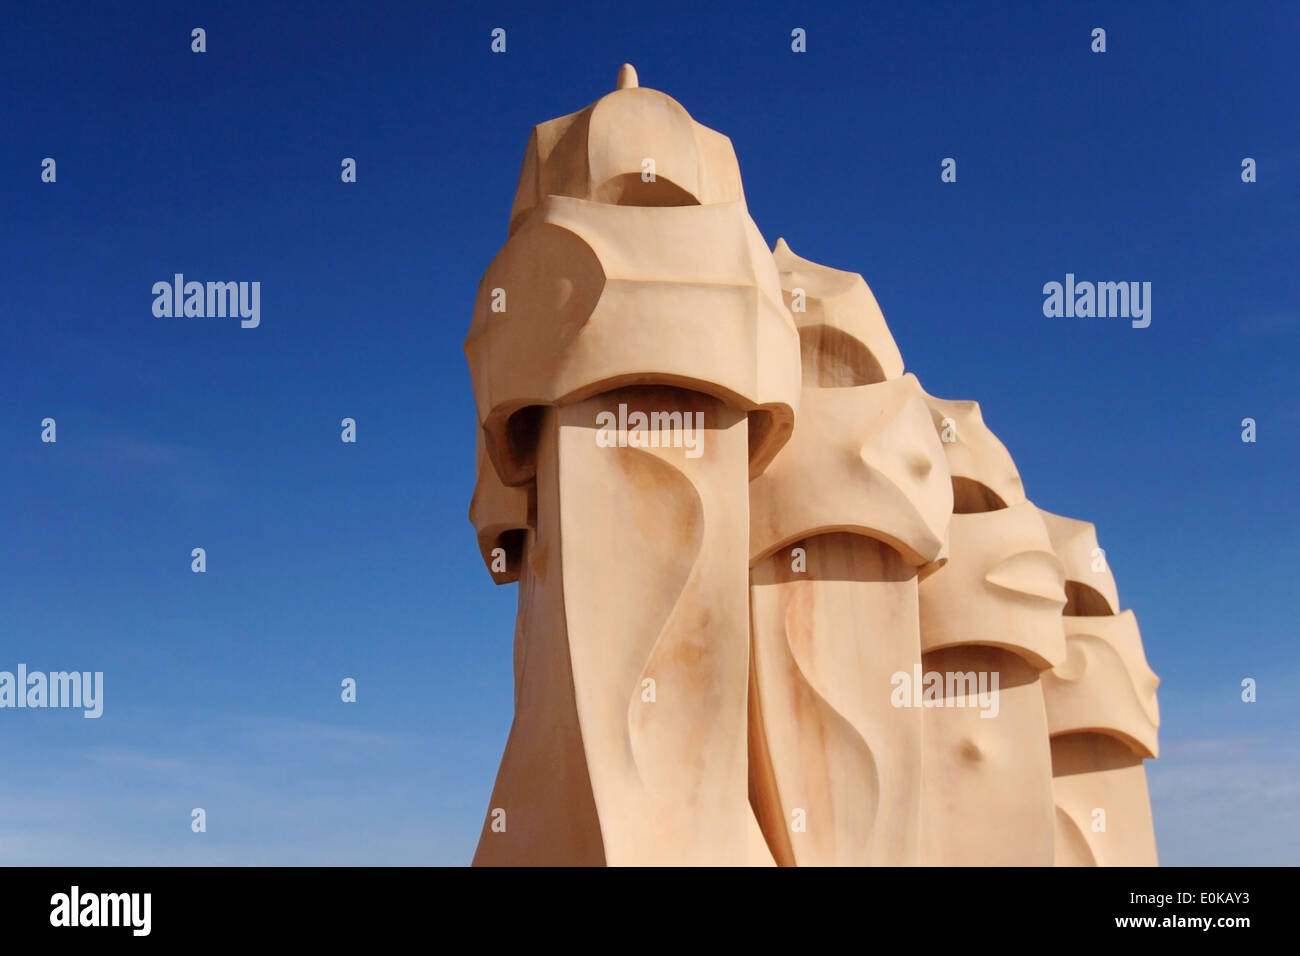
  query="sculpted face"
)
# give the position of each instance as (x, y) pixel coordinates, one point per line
(1102, 713)
(616, 302)
(611, 279)
(501, 519)
(1104, 685)
(984, 477)
(864, 457)
(710, 630)
(994, 608)
(1002, 587)
(861, 494)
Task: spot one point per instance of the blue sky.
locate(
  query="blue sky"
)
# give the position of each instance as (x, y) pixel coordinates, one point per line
(328, 560)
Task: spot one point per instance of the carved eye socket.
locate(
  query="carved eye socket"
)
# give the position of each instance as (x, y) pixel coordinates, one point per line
(512, 542)
(970, 497)
(835, 359)
(523, 430)
(630, 189)
(1083, 601)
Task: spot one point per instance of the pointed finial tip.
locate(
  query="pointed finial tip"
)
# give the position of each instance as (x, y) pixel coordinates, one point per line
(627, 77)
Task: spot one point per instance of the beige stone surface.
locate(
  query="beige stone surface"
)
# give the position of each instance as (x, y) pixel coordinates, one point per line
(599, 297)
(501, 518)
(598, 154)
(1104, 684)
(776, 604)
(993, 612)
(1102, 714)
(833, 764)
(1003, 586)
(846, 341)
(1089, 584)
(1103, 810)
(863, 460)
(841, 521)
(632, 578)
(984, 476)
(986, 794)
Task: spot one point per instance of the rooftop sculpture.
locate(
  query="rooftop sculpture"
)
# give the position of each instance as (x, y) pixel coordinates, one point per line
(776, 603)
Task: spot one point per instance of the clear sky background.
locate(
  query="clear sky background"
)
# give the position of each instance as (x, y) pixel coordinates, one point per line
(328, 560)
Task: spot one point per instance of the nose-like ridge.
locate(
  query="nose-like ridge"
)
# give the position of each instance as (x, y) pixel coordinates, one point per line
(901, 451)
(863, 460)
(916, 461)
(1036, 574)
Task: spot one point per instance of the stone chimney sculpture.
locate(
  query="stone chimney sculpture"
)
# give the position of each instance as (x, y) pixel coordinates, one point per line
(776, 604)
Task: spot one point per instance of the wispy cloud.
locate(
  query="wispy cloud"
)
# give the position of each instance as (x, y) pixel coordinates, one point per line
(276, 791)
(286, 730)
(1231, 801)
